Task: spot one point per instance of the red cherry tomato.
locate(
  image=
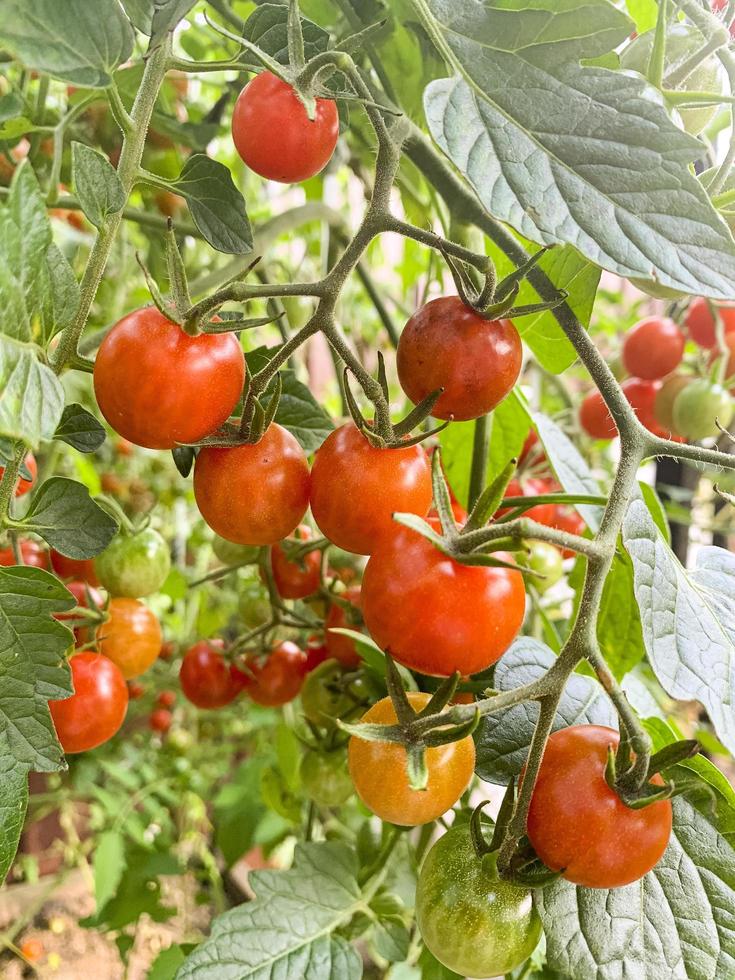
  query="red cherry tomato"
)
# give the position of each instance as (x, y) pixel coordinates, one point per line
(160, 720)
(253, 494)
(274, 135)
(30, 551)
(277, 678)
(594, 417)
(566, 518)
(340, 647)
(80, 569)
(24, 485)
(356, 488)
(532, 453)
(642, 397)
(653, 348)
(298, 578)
(446, 344)
(131, 636)
(701, 324)
(543, 513)
(316, 652)
(207, 680)
(579, 826)
(97, 708)
(135, 690)
(158, 386)
(166, 699)
(435, 615)
(87, 598)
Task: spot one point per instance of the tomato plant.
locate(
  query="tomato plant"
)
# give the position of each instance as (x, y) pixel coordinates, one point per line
(325, 778)
(298, 577)
(26, 481)
(653, 348)
(344, 613)
(134, 565)
(274, 678)
(130, 636)
(96, 709)
(206, 679)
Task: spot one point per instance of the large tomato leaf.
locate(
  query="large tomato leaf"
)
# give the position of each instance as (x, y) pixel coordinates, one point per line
(267, 27)
(97, 184)
(519, 120)
(217, 207)
(63, 514)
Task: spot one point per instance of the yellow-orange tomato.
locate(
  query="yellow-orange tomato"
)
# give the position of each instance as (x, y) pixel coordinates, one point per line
(131, 637)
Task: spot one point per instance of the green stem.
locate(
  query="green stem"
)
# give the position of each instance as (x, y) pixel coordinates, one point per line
(479, 464)
(655, 70)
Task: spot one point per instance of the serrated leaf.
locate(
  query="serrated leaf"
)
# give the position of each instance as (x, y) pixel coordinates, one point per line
(217, 207)
(569, 466)
(64, 515)
(267, 27)
(502, 739)
(97, 184)
(77, 41)
(80, 429)
(688, 619)
(31, 396)
(258, 939)
(521, 115)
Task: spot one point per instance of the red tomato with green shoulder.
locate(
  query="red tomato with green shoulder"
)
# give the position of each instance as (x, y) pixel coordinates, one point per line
(131, 636)
(275, 678)
(96, 709)
(206, 678)
(341, 647)
(296, 578)
(31, 552)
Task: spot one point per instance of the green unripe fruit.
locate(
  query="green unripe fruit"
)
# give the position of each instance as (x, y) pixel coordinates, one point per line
(134, 565)
(697, 406)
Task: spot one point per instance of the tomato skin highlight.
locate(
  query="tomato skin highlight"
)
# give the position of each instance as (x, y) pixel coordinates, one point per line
(80, 569)
(378, 771)
(356, 488)
(448, 345)
(278, 679)
(157, 386)
(131, 637)
(134, 565)
(578, 825)
(296, 579)
(701, 324)
(96, 710)
(653, 348)
(473, 921)
(253, 494)
(206, 678)
(435, 615)
(274, 135)
(340, 647)
(595, 418)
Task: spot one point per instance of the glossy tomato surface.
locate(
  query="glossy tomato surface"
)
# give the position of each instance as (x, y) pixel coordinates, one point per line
(543, 513)
(131, 637)
(595, 418)
(254, 494)
(356, 488)
(276, 678)
(446, 344)
(378, 771)
(701, 323)
(578, 825)
(96, 710)
(642, 397)
(157, 386)
(296, 578)
(80, 569)
(274, 135)
(435, 615)
(134, 565)
(699, 406)
(206, 678)
(653, 348)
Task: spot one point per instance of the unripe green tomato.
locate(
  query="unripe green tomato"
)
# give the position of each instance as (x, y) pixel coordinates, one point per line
(253, 606)
(547, 563)
(134, 565)
(323, 697)
(325, 777)
(230, 553)
(473, 921)
(663, 406)
(697, 406)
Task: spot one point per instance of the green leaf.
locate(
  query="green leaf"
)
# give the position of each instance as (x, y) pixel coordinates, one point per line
(13, 805)
(140, 13)
(167, 14)
(77, 41)
(31, 396)
(80, 429)
(644, 13)
(502, 739)
(138, 891)
(64, 515)
(267, 27)
(391, 939)
(619, 621)
(519, 118)
(261, 939)
(656, 509)
(11, 105)
(217, 206)
(688, 619)
(569, 466)
(14, 128)
(168, 961)
(109, 864)
(300, 413)
(675, 922)
(97, 184)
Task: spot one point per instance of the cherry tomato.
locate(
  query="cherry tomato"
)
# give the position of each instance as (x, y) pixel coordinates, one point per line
(230, 553)
(594, 417)
(663, 405)
(448, 345)
(96, 709)
(545, 562)
(87, 597)
(277, 678)
(532, 453)
(80, 569)
(274, 135)
(326, 695)
(698, 405)
(158, 386)
(579, 826)
(325, 778)
(131, 637)
(134, 565)
(30, 551)
(543, 513)
(473, 921)
(166, 699)
(435, 615)
(642, 396)
(168, 649)
(653, 348)
(32, 949)
(341, 647)
(316, 652)
(207, 680)
(356, 488)
(701, 323)
(24, 485)
(160, 720)
(568, 519)
(300, 577)
(253, 494)
(253, 606)
(135, 690)
(378, 771)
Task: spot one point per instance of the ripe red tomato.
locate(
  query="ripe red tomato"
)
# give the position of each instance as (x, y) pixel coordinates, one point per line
(446, 344)
(30, 551)
(296, 579)
(316, 652)
(158, 386)
(274, 135)
(642, 397)
(532, 453)
(160, 720)
(567, 519)
(256, 493)
(435, 615)
(166, 699)
(356, 488)
(135, 690)
(578, 825)
(96, 709)
(543, 513)
(594, 417)
(701, 323)
(340, 647)
(24, 485)
(275, 679)
(80, 569)
(131, 637)
(653, 348)
(87, 598)
(207, 680)
(378, 770)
